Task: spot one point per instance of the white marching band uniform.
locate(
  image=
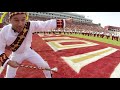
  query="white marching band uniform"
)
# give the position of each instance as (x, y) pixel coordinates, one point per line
(24, 52)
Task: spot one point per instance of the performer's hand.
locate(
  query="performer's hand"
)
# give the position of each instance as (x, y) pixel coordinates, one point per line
(13, 64)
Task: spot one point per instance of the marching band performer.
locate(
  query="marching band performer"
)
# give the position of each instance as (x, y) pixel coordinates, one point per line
(17, 37)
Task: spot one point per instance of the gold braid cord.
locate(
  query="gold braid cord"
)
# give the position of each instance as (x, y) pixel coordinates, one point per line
(15, 13)
(3, 58)
(33, 67)
(21, 36)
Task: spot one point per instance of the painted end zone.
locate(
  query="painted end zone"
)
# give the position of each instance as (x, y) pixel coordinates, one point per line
(74, 58)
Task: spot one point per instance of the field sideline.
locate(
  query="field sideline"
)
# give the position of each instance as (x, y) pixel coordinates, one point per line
(104, 40)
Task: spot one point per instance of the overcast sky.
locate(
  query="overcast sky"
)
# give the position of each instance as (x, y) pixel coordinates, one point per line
(105, 18)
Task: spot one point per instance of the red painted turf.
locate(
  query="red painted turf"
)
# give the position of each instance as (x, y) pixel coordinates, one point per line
(99, 69)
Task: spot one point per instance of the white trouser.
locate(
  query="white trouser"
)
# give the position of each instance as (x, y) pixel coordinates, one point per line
(32, 57)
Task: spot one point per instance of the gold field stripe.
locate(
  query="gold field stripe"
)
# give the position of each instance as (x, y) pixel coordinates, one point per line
(90, 56)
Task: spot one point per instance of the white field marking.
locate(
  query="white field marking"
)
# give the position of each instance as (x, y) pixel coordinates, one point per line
(76, 62)
(42, 35)
(1, 69)
(116, 72)
(57, 38)
(56, 45)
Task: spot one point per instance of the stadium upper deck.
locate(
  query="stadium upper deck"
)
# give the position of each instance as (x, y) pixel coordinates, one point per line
(76, 17)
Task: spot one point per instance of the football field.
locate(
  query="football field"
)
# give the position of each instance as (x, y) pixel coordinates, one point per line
(74, 57)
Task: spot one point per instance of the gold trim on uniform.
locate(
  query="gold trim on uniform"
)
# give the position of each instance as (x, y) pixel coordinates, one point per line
(21, 36)
(3, 58)
(15, 13)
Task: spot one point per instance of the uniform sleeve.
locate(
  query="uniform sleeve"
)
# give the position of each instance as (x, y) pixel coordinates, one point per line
(38, 26)
(3, 56)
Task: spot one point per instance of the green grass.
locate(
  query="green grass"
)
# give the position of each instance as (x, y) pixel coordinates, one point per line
(105, 40)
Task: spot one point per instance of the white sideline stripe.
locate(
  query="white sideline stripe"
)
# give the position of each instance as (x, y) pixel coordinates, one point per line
(57, 38)
(116, 72)
(42, 35)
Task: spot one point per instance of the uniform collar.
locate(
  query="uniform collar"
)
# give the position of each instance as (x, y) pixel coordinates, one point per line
(14, 30)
